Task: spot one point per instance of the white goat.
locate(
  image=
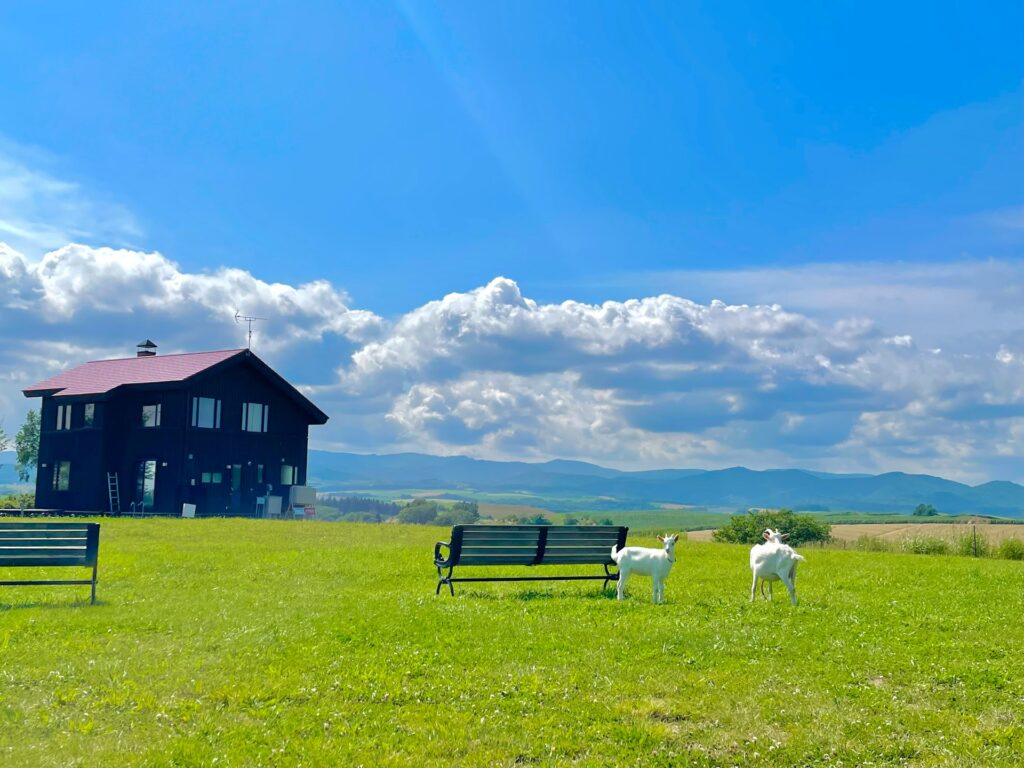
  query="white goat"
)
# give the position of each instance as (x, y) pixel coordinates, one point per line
(655, 563)
(773, 561)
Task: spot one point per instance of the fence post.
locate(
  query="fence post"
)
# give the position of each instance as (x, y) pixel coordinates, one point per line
(974, 535)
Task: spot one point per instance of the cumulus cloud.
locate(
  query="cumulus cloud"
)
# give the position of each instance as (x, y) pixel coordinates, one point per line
(663, 380)
(655, 381)
(79, 303)
(76, 280)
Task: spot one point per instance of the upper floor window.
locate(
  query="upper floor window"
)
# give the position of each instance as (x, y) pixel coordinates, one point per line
(205, 412)
(63, 417)
(89, 415)
(254, 417)
(151, 415)
(62, 475)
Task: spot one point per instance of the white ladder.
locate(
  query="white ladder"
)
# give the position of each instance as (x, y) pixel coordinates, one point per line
(112, 493)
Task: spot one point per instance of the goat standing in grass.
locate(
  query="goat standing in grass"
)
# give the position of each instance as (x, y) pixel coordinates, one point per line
(774, 560)
(655, 563)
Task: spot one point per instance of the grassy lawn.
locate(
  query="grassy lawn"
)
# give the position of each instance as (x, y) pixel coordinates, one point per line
(252, 643)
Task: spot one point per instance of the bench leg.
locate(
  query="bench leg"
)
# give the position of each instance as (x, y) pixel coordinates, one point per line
(608, 576)
(442, 579)
(93, 600)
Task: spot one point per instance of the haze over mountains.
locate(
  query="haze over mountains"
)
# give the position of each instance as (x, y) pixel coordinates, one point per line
(575, 485)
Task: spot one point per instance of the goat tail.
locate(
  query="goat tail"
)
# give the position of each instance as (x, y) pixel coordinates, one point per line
(615, 553)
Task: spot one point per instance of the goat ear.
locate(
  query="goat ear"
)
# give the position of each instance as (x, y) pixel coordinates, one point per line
(785, 536)
(660, 537)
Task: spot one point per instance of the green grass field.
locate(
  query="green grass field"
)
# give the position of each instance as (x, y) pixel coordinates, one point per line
(263, 643)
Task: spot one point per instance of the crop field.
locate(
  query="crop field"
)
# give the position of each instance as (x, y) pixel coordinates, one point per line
(266, 643)
(992, 532)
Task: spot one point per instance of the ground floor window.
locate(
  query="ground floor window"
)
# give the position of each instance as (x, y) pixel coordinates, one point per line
(289, 474)
(62, 476)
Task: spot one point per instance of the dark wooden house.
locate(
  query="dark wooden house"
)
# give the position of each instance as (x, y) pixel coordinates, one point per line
(153, 432)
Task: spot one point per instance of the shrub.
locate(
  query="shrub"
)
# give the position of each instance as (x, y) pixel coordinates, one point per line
(18, 501)
(747, 528)
(418, 512)
(1011, 549)
(459, 513)
(970, 545)
(925, 510)
(872, 544)
(924, 545)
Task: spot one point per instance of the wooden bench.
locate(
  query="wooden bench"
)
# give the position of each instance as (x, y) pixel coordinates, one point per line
(46, 545)
(528, 545)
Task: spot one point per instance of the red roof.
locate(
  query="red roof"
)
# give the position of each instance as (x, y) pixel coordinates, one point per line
(101, 376)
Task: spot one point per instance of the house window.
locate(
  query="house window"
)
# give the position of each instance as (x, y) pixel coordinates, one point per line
(289, 474)
(254, 417)
(205, 413)
(259, 473)
(63, 417)
(212, 478)
(89, 417)
(151, 415)
(62, 475)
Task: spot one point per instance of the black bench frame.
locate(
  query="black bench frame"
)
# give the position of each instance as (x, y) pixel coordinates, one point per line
(485, 545)
(48, 545)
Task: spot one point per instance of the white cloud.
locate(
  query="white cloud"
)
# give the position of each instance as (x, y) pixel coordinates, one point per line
(655, 381)
(40, 211)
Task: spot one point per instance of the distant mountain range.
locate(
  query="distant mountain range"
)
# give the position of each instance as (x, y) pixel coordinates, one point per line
(575, 485)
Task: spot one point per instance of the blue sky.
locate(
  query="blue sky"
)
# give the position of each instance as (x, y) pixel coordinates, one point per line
(851, 162)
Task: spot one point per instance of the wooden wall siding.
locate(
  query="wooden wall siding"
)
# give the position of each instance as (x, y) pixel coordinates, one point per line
(118, 441)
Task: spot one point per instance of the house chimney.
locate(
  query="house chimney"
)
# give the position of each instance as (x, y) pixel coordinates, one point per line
(145, 349)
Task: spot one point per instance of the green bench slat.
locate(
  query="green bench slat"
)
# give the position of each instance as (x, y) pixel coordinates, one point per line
(505, 560)
(42, 562)
(500, 541)
(9, 543)
(495, 551)
(575, 560)
(44, 533)
(603, 552)
(81, 552)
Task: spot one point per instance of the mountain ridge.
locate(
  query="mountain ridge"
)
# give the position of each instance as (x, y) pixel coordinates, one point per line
(576, 485)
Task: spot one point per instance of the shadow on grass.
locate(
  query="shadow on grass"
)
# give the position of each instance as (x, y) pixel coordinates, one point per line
(526, 595)
(50, 605)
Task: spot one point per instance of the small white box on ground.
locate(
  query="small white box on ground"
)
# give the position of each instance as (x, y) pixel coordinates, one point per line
(188, 510)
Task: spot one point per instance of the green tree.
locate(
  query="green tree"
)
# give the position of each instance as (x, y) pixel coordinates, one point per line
(418, 512)
(925, 510)
(26, 446)
(459, 513)
(747, 528)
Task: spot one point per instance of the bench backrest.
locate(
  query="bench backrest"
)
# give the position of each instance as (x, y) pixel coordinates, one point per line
(535, 544)
(47, 544)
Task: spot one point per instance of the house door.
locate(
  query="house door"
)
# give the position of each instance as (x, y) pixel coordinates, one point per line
(145, 486)
(236, 489)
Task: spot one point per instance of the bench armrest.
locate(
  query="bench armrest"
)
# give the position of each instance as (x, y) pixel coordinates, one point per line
(442, 561)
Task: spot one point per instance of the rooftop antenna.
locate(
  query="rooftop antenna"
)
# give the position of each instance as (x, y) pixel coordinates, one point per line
(249, 321)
